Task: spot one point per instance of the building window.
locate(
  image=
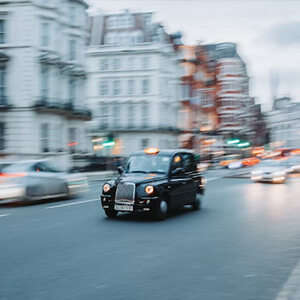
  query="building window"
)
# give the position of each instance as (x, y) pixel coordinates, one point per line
(45, 35)
(131, 84)
(144, 143)
(58, 137)
(116, 87)
(145, 62)
(108, 40)
(104, 64)
(72, 90)
(206, 99)
(2, 136)
(131, 62)
(111, 22)
(44, 82)
(116, 64)
(45, 137)
(72, 49)
(103, 88)
(104, 116)
(116, 116)
(145, 114)
(145, 86)
(2, 85)
(131, 115)
(72, 15)
(129, 19)
(2, 31)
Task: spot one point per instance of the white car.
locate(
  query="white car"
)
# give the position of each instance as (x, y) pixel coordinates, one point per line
(235, 165)
(270, 171)
(37, 180)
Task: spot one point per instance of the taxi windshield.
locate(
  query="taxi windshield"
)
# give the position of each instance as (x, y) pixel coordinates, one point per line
(148, 164)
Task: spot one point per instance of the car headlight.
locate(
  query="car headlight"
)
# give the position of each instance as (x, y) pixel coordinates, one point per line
(106, 188)
(256, 173)
(149, 189)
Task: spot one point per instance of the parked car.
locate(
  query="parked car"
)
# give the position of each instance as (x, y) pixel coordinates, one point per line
(270, 171)
(154, 181)
(37, 180)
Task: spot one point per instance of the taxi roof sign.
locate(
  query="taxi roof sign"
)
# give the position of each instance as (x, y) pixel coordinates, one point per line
(151, 150)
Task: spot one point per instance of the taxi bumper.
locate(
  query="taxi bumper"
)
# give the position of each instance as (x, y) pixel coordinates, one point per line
(143, 204)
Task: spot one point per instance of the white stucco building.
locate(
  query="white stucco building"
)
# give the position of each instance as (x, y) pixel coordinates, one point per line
(43, 79)
(134, 82)
(283, 123)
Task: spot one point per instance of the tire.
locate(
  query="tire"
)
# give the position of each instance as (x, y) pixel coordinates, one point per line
(198, 202)
(111, 213)
(161, 209)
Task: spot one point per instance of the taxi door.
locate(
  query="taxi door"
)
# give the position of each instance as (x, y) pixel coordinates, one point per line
(191, 182)
(177, 182)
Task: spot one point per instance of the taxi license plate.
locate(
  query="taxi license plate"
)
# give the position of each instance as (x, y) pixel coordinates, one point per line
(124, 207)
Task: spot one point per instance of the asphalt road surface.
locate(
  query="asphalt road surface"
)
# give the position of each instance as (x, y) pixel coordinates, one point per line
(243, 245)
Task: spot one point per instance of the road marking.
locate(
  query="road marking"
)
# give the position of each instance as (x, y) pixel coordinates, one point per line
(5, 215)
(72, 203)
(213, 178)
(291, 286)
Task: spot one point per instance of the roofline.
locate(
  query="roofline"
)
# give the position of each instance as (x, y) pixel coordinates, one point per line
(165, 151)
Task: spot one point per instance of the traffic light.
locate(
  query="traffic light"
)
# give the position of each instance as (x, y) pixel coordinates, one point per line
(232, 141)
(243, 144)
(109, 142)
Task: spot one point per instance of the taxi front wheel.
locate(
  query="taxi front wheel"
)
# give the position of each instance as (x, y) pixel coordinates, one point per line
(111, 213)
(161, 210)
(198, 202)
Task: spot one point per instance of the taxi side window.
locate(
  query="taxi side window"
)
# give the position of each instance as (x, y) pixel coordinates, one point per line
(176, 162)
(188, 162)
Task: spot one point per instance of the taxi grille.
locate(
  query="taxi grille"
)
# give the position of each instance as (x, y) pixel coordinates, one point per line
(125, 192)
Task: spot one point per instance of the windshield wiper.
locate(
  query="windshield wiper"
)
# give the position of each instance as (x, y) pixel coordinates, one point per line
(160, 172)
(137, 172)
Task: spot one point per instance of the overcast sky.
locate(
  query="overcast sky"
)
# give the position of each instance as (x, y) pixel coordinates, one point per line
(267, 34)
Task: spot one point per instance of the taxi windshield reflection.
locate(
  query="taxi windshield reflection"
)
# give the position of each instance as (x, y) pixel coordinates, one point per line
(148, 164)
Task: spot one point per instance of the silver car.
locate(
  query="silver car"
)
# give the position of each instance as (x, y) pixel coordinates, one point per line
(270, 171)
(38, 180)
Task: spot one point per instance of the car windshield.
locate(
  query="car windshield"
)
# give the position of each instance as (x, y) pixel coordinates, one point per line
(148, 164)
(29, 167)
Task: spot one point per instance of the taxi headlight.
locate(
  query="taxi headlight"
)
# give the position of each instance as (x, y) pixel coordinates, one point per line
(149, 189)
(106, 188)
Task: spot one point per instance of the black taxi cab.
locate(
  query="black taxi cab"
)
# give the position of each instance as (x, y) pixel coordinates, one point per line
(155, 181)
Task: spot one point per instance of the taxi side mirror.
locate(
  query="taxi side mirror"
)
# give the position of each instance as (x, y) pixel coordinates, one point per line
(177, 171)
(120, 169)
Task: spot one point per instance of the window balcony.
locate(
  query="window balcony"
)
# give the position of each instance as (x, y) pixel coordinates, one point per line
(232, 110)
(55, 106)
(134, 128)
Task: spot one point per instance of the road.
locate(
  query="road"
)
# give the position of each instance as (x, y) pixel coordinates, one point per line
(243, 245)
